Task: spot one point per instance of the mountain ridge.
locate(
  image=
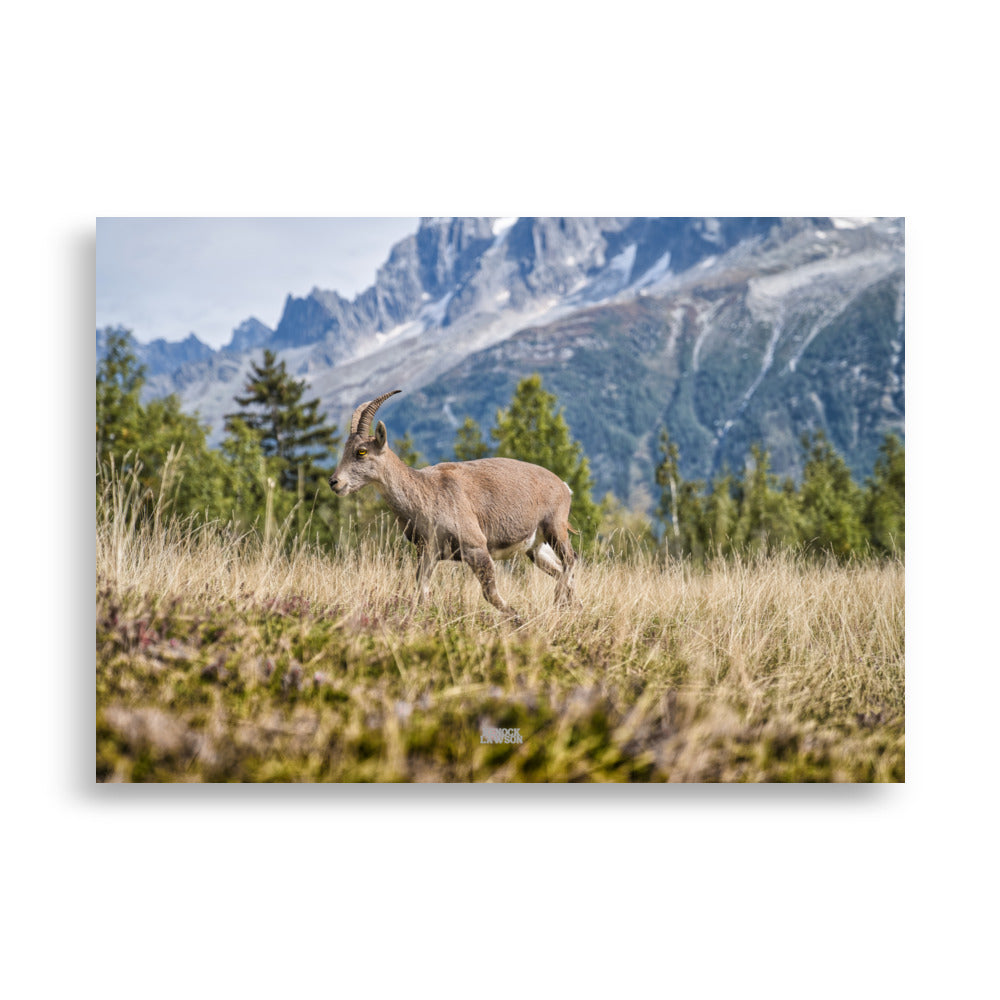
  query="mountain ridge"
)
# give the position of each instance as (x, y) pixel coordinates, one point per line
(734, 329)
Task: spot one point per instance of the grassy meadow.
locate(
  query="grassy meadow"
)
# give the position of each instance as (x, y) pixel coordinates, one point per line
(222, 658)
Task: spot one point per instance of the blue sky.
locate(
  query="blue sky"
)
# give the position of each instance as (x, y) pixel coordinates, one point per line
(171, 277)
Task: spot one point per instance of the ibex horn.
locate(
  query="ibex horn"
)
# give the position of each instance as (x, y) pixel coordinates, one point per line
(361, 421)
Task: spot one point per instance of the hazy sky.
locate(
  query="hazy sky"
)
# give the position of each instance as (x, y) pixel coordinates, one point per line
(171, 277)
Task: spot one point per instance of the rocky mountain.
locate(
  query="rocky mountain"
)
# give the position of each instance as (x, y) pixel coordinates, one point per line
(162, 358)
(727, 331)
(250, 335)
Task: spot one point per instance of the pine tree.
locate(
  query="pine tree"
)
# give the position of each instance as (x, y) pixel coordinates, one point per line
(680, 509)
(406, 451)
(469, 442)
(296, 443)
(288, 428)
(533, 429)
(831, 502)
(167, 449)
(768, 516)
(177, 465)
(884, 516)
(250, 478)
(721, 515)
(119, 380)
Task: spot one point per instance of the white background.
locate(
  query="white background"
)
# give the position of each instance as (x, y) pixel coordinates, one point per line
(521, 108)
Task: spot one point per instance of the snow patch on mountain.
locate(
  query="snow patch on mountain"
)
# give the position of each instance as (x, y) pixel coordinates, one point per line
(659, 270)
(623, 262)
(459, 286)
(400, 330)
(853, 222)
(433, 313)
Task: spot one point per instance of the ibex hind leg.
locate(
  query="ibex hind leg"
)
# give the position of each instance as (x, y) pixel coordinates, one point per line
(482, 565)
(545, 559)
(564, 584)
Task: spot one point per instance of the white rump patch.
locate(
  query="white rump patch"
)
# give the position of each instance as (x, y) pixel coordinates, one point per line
(545, 555)
(515, 549)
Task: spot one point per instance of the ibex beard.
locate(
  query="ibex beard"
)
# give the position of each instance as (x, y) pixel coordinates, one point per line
(473, 512)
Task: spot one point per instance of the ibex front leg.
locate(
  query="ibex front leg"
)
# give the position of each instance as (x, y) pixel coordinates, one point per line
(426, 562)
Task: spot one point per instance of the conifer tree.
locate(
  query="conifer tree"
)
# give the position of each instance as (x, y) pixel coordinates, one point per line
(289, 428)
(533, 429)
(296, 442)
(831, 502)
(768, 517)
(119, 380)
(469, 442)
(251, 474)
(177, 465)
(680, 508)
(167, 448)
(406, 451)
(884, 516)
(721, 515)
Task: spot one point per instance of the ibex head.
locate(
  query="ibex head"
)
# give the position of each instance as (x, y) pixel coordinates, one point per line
(359, 464)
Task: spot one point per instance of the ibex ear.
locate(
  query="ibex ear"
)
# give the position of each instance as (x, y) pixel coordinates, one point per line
(380, 435)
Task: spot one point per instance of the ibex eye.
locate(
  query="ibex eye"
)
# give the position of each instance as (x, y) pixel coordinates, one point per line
(362, 452)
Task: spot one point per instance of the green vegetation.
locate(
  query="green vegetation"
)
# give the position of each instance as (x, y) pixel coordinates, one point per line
(286, 426)
(165, 448)
(884, 513)
(250, 629)
(826, 514)
(224, 658)
(469, 442)
(295, 443)
(270, 475)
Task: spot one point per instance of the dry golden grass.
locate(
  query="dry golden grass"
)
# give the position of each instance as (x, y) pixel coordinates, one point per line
(257, 662)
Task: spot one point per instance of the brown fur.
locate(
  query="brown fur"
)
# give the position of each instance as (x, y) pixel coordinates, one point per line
(470, 511)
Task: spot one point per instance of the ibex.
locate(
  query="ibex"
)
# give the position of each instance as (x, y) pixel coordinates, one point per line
(475, 512)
